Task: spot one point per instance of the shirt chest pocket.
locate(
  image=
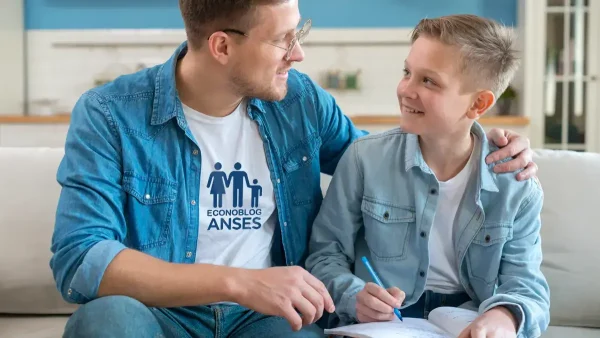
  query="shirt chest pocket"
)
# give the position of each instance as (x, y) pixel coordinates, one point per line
(148, 209)
(485, 252)
(387, 228)
(302, 170)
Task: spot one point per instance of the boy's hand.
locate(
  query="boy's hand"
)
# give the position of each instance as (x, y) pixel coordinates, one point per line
(512, 145)
(375, 304)
(497, 323)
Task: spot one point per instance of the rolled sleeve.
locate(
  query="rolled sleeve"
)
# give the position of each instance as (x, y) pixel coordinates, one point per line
(347, 307)
(88, 275)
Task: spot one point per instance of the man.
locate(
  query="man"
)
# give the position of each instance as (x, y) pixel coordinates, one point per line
(138, 239)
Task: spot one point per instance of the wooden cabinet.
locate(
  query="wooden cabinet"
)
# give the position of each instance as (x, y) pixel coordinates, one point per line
(560, 44)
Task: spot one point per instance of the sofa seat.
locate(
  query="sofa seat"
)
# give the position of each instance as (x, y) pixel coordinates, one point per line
(571, 332)
(32, 326)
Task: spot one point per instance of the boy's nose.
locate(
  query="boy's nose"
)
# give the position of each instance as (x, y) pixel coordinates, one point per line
(405, 89)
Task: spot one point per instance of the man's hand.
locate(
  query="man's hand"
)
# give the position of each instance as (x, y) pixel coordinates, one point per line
(495, 323)
(512, 145)
(375, 304)
(283, 292)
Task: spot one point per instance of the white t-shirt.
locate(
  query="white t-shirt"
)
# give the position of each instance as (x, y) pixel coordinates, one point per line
(237, 204)
(443, 269)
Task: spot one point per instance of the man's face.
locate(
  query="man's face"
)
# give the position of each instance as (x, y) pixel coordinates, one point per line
(259, 68)
(431, 95)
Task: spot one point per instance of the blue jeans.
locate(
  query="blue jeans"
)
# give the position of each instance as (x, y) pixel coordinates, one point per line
(120, 316)
(430, 300)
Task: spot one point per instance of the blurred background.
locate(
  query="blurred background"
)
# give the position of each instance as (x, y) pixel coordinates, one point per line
(54, 50)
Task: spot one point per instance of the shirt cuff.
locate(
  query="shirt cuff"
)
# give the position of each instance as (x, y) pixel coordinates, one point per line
(347, 307)
(87, 278)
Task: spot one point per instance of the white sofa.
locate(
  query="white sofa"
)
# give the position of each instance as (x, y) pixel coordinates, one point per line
(31, 307)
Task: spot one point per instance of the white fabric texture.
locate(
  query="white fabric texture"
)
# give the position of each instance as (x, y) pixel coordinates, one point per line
(237, 203)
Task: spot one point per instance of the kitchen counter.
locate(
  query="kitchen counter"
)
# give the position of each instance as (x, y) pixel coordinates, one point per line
(374, 120)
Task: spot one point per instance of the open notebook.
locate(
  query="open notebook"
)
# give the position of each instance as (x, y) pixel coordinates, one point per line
(443, 322)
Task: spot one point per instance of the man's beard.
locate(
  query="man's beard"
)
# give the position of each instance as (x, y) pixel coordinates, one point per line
(244, 86)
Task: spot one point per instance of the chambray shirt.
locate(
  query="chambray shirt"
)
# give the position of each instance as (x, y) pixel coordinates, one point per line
(130, 175)
(381, 203)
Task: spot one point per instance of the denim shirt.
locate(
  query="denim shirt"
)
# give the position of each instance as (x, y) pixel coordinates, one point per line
(130, 175)
(381, 203)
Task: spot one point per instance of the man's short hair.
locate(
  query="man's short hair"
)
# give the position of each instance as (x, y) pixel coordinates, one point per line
(486, 47)
(203, 17)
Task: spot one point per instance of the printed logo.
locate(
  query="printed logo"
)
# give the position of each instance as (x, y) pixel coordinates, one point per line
(238, 218)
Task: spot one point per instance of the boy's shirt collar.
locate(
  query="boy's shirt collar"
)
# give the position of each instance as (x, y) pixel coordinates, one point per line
(486, 181)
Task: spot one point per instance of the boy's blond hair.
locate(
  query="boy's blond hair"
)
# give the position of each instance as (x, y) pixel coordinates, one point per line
(488, 57)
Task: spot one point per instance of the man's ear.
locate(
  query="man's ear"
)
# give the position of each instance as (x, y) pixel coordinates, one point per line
(218, 46)
(482, 102)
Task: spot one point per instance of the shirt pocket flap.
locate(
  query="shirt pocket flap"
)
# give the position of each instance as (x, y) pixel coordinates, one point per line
(490, 235)
(302, 154)
(149, 190)
(387, 213)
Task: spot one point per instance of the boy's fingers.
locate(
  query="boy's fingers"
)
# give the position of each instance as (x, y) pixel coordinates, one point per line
(397, 293)
(382, 294)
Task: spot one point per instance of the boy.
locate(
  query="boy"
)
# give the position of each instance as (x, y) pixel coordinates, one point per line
(423, 206)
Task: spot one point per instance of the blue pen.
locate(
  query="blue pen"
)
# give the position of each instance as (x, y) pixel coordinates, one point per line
(378, 281)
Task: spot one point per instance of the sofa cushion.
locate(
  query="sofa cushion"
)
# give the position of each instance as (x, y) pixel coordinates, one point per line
(28, 198)
(33, 327)
(570, 233)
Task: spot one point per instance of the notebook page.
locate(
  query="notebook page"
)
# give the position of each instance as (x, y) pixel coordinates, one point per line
(452, 319)
(410, 328)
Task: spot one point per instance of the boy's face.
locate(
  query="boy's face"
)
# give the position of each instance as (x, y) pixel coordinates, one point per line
(432, 95)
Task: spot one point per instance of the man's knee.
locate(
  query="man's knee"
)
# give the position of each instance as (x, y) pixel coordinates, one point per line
(311, 331)
(113, 316)
(275, 327)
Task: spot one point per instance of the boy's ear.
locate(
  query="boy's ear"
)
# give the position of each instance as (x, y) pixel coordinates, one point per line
(483, 101)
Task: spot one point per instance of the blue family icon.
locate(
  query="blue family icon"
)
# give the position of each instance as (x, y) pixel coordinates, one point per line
(256, 192)
(217, 181)
(238, 177)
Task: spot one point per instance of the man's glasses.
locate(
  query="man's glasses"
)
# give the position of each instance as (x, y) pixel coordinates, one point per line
(299, 38)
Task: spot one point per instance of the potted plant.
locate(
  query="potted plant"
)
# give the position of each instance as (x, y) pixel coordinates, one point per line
(506, 100)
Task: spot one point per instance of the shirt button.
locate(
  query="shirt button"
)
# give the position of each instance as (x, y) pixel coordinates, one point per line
(423, 234)
(147, 196)
(193, 202)
(433, 191)
(304, 158)
(291, 263)
(487, 238)
(278, 181)
(284, 224)
(195, 152)
(69, 292)
(188, 254)
(422, 273)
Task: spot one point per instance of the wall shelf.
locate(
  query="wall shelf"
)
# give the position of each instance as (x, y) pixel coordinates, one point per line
(357, 119)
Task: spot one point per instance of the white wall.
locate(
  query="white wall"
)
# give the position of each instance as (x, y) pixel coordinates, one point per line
(11, 58)
(64, 64)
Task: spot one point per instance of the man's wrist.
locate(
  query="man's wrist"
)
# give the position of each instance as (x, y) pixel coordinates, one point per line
(232, 288)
